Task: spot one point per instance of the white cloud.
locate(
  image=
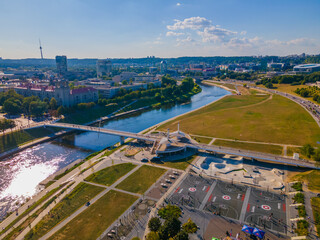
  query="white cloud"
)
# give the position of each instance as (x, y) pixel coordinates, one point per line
(184, 40)
(178, 4)
(190, 23)
(213, 34)
(212, 38)
(171, 33)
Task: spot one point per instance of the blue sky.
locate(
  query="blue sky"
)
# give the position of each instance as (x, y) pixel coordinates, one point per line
(162, 28)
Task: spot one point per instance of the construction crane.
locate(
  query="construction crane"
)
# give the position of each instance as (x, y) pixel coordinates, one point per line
(40, 49)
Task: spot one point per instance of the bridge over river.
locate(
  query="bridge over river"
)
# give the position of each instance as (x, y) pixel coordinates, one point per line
(211, 148)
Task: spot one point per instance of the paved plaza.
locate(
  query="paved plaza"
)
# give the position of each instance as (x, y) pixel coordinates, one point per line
(245, 204)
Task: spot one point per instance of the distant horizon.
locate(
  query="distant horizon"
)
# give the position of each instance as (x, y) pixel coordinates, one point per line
(157, 57)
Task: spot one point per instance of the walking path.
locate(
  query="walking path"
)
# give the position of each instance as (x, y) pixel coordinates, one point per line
(244, 141)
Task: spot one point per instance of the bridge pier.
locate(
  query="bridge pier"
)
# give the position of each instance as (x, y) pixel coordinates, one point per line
(121, 140)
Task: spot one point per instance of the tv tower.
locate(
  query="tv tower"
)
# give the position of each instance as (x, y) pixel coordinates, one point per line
(40, 49)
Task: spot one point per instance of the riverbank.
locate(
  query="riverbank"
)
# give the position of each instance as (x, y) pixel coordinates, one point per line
(66, 132)
(219, 85)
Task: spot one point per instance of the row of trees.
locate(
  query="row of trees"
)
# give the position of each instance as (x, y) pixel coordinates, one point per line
(313, 92)
(290, 79)
(169, 91)
(236, 75)
(14, 104)
(169, 226)
(310, 152)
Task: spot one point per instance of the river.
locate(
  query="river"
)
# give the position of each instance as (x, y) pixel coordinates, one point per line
(22, 172)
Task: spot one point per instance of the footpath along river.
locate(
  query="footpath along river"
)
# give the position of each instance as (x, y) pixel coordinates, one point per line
(21, 173)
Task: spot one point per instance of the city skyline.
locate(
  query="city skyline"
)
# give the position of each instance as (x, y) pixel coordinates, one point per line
(105, 29)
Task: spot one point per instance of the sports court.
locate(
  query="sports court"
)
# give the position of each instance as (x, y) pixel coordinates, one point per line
(226, 200)
(267, 210)
(244, 203)
(191, 191)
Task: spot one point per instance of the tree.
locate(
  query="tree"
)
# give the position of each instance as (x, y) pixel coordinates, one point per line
(170, 228)
(269, 85)
(38, 108)
(190, 226)
(169, 212)
(61, 110)
(316, 156)
(167, 80)
(125, 82)
(53, 104)
(307, 150)
(152, 236)
(154, 224)
(182, 235)
(12, 106)
(26, 103)
(187, 84)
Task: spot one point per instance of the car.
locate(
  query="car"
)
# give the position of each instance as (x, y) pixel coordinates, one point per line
(144, 160)
(88, 204)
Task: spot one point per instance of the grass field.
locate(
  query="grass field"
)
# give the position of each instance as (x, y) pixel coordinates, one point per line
(92, 222)
(109, 175)
(141, 180)
(179, 164)
(91, 114)
(17, 138)
(202, 139)
(311, 178)
(265, 148)
(276, 120)
(315, 203)
(287, 88)
(77, 198)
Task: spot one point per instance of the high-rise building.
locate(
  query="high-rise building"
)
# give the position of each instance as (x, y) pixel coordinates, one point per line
(61, 62)
(104, 68)
(163, 67)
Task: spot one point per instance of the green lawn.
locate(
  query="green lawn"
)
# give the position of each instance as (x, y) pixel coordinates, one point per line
(17, 138)
(292, 150)
(141, 180)
(277, 120)
(312, 178)
(77, 198)
(203, 140)
(109, 175)
(181, 164)
(92, 222)
(315, 202)
(91, 114)
(265, 148)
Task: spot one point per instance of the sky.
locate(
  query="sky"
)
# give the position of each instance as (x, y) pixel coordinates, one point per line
(161, 28)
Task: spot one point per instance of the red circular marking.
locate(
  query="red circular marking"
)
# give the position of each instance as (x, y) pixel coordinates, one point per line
(266, 207)
(226, 197)
(192, 189)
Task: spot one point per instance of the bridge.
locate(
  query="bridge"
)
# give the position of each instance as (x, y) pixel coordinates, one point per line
(121, 134)
(256, 156)
(211, 148)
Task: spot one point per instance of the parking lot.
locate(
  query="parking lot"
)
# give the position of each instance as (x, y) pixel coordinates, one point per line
(260, 208)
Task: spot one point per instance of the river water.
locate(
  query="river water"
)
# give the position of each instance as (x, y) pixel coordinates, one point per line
(21, 173)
